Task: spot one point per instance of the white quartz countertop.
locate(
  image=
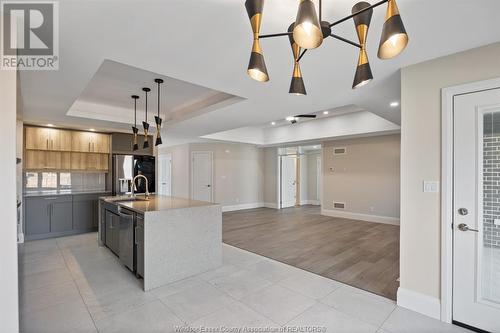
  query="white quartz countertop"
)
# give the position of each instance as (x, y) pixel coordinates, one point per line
(155, 203)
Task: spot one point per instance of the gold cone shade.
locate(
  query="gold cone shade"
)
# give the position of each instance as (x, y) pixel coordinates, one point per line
(362, 23)
(135, 130)
(307, 31)
(158, 131)
(394, 38)
(256, 67)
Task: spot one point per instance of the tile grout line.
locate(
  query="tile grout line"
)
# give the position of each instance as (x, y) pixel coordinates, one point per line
(77, 287)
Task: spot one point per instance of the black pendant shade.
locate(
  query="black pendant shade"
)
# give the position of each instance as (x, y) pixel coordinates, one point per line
(307, 30)
(135, 130)
(145, 124)
(297, 83)
(157, 118)
(394, 37)
(362, 23)
(256, 67)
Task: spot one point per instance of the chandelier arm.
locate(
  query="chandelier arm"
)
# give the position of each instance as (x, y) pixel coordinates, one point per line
(301, 55)
(357, 13)
(346, 40)
(276, 35)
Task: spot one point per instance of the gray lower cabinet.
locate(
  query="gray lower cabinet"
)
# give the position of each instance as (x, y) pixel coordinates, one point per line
(112, 231)
(37, 216)
(85, 211)
(139, 244)
(59, 215)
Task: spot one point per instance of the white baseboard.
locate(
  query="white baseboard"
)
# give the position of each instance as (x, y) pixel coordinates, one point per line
(310, 202)
(359, 216)
(270, 205)
(231, 208)
(426, 305)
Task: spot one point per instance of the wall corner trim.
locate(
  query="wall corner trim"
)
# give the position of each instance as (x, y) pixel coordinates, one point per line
(359, 216)
(424, 304)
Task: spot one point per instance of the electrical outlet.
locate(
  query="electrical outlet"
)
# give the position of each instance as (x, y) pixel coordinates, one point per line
(431, 186)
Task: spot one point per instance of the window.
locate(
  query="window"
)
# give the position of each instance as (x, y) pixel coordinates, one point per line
(65, 180)
(31, 179)
(49, 180)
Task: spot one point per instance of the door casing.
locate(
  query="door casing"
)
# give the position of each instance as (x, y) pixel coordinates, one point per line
(193, 153)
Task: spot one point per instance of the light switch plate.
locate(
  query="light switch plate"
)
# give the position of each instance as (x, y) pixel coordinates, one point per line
(431, 186)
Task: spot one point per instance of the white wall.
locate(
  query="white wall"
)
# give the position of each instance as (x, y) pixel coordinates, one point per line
(421, 86)
(366, 179)
(271, 177)
(238, 172)
(8, 223)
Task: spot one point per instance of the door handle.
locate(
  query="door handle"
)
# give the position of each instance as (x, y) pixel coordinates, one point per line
(465, 227)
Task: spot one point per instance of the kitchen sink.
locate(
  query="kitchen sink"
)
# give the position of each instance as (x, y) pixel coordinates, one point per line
(130, 199)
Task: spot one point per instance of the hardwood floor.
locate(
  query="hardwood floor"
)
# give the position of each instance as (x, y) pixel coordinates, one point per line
(362, 254)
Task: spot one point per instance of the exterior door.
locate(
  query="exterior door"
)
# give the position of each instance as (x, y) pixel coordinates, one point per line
(476, 210)
(202, 176)
(288, 181)
(165, 174)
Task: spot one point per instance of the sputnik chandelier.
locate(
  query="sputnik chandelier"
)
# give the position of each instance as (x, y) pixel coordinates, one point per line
(308, 32)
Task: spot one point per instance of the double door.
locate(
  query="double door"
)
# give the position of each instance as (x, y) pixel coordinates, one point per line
(87, 142)
(41, 138)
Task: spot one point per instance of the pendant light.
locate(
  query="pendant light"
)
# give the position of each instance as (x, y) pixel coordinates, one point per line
(145, 123)
(135, 130)
(157, 118)
(394, 38)
(307, 31)
(362, 23)
(256, 67)
(297, 84)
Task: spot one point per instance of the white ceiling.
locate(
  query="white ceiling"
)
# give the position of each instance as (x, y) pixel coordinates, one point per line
(208, 42)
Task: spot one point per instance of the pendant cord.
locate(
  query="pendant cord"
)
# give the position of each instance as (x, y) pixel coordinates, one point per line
(135, 112)
(146, 106)
(158, 99)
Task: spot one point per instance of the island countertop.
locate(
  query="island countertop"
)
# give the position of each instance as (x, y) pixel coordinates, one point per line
(155, 203)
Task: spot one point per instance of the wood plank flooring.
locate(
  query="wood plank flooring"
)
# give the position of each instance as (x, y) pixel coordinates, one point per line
(362, 254)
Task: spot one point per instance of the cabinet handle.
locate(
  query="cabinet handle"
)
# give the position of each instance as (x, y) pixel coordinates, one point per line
(89, 146)
(135, 235)
(47, 144)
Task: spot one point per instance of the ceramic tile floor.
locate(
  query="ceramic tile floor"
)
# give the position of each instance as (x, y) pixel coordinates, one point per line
(71, 284)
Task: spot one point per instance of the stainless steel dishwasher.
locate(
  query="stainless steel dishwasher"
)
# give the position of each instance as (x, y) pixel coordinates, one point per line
(126, 246)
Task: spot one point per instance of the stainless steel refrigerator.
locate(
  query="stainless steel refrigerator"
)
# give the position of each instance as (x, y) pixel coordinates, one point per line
(126, 167)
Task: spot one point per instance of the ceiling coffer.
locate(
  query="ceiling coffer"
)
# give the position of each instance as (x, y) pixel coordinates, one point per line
(308, 32)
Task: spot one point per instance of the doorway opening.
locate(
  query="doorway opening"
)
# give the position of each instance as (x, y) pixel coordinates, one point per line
(299, 176)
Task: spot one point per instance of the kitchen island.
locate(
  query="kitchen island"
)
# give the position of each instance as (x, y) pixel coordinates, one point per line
(162, 239)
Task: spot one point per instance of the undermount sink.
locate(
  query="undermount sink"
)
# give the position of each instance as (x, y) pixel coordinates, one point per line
(130, 199)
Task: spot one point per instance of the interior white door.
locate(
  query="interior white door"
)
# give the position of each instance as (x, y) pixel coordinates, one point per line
(288, 181)
(165, 174)
(202, 176)
(476, 206)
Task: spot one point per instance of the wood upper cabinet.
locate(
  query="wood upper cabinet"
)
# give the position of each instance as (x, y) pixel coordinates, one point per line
(46, 160)
(87, 142)
(89, 162)
(40, 138)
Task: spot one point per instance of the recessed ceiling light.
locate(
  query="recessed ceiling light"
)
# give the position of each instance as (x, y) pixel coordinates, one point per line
(290, 118)
(50, 125)
(273, 123)
(91, 129)
(394, 104)
(326, 112)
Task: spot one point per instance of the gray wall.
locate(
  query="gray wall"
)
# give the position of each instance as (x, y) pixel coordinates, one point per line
(270, 176)
(421, 86)
(366, 179)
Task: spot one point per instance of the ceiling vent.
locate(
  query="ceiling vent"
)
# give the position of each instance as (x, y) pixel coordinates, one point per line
(339, 205)
(339, 150)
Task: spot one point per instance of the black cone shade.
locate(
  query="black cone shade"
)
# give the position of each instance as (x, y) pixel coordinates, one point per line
(394, 38)
(135, 130)
(362, 23)
(307, 30)
(256, 67)
(158, 131)
(297, 85)
(363, 72)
